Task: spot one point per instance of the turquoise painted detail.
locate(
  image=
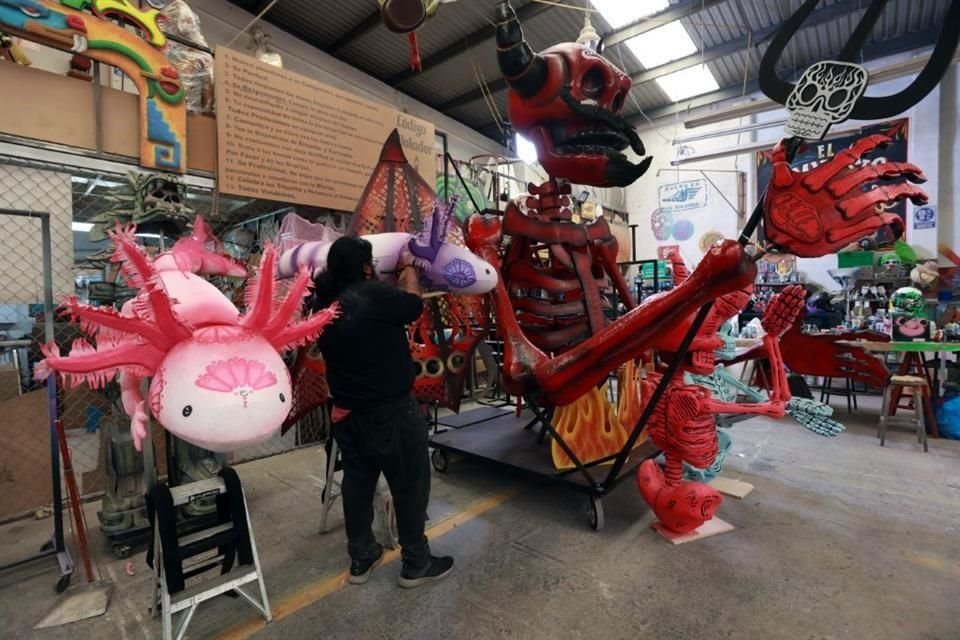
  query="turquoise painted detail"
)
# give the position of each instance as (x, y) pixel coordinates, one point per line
(14, 14)
(706, 475)
(167, 153)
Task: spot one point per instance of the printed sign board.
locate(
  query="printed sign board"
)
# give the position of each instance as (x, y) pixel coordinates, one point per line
(286, 137)
(683, 196)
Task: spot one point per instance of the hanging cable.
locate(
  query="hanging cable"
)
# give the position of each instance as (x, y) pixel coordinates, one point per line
(252, 22)
(636, 103)
(487, 97)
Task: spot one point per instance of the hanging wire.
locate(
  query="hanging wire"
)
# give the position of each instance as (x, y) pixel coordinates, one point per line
(488, 97)
(636, 103)
(252, 22)
(476, 11)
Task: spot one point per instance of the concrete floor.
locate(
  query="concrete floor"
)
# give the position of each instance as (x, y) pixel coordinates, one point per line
(840, 539)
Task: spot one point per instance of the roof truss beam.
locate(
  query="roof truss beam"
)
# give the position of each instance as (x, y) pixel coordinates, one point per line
(359, 30)
(674, 12)
(487, 32)
(874, 51)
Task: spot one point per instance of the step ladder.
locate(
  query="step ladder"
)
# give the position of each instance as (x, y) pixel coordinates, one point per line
(178, 558)
(384, 518)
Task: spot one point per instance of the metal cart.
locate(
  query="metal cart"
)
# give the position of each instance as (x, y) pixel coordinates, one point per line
(512, 441)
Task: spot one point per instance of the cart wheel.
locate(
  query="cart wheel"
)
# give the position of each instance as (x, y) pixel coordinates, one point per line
(439, 460)
(122, 551)
(63, 583)
(595, 513)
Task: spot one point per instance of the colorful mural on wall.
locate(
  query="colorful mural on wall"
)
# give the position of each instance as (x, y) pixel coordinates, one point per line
(66, 25)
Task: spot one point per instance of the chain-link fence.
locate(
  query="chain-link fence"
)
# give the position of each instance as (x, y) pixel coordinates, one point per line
(82, 203)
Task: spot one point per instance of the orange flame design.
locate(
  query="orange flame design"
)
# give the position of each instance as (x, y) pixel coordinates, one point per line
(592, 428)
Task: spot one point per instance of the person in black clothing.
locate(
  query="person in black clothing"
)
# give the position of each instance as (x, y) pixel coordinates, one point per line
(377, 423)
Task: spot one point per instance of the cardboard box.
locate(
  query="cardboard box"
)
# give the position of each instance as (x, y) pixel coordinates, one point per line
(9, 382)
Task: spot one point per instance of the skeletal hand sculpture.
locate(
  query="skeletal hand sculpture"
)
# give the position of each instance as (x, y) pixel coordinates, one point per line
(838, 202)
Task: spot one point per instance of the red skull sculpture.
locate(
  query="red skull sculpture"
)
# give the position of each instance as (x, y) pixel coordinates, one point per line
(567, 101)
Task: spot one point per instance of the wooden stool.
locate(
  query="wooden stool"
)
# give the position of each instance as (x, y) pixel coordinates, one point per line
(921, 398)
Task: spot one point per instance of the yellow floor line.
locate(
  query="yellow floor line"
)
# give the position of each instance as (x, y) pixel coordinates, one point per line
(320, 589)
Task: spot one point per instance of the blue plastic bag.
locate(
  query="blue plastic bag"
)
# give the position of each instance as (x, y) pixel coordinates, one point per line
(948, 417)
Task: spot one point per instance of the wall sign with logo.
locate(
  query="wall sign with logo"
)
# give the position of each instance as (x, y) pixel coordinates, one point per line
(925, 217)
(683, 196)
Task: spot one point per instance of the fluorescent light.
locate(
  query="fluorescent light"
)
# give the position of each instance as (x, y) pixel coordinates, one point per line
(662, 45)
(749, 148)
(687, 83)
(526, 150)
(620, 13)
(82, 227)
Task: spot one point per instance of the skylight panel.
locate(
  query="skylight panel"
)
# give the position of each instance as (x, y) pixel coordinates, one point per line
(687, 83)
(661, 45)
(620, 13)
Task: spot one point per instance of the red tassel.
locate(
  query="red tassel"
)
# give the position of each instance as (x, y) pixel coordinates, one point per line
(415, 64)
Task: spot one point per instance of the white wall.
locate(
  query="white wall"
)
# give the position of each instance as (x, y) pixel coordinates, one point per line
(933, 146)
(948, 190)
(722, 177)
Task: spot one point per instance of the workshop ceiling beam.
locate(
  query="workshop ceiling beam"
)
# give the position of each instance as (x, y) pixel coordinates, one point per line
(737, 45)
(359, 30)
(874, 51)
(682, 10)
(487, 32)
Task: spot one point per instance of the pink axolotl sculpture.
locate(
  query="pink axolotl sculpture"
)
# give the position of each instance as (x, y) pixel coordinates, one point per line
(217, 378)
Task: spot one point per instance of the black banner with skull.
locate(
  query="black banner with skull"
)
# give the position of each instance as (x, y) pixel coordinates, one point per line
(816, 153)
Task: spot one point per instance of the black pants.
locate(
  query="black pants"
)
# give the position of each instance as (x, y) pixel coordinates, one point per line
(391, 439)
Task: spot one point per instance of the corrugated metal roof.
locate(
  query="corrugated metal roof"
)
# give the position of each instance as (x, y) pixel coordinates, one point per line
(385, 55)
(317, 22)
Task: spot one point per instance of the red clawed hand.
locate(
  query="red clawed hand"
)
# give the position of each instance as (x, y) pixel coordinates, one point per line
(783, 310)
(839, 202)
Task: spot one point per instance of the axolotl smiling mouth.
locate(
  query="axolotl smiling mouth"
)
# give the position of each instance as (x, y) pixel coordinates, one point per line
(238, 376)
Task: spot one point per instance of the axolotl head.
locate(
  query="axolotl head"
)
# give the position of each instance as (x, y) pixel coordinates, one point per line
(457, 270)
(223, 390)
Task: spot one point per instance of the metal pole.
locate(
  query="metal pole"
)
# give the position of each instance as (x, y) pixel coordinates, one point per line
(446, 164)
(97, 107)
(792, 147)
(48, 311)
(476, 207)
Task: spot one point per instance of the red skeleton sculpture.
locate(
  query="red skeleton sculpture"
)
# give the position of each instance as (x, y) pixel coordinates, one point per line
(557, 343)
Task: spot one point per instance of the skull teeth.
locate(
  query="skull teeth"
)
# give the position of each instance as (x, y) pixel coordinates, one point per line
(79, 43)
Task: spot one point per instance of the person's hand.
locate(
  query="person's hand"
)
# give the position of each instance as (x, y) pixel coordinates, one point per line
(409, 279)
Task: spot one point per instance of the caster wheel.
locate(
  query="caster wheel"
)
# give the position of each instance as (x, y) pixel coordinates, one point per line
(595, 513)
(122, 551)
(439, 460)
(63, 583)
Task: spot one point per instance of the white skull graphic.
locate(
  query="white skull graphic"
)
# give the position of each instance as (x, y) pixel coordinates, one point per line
(824, 96)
